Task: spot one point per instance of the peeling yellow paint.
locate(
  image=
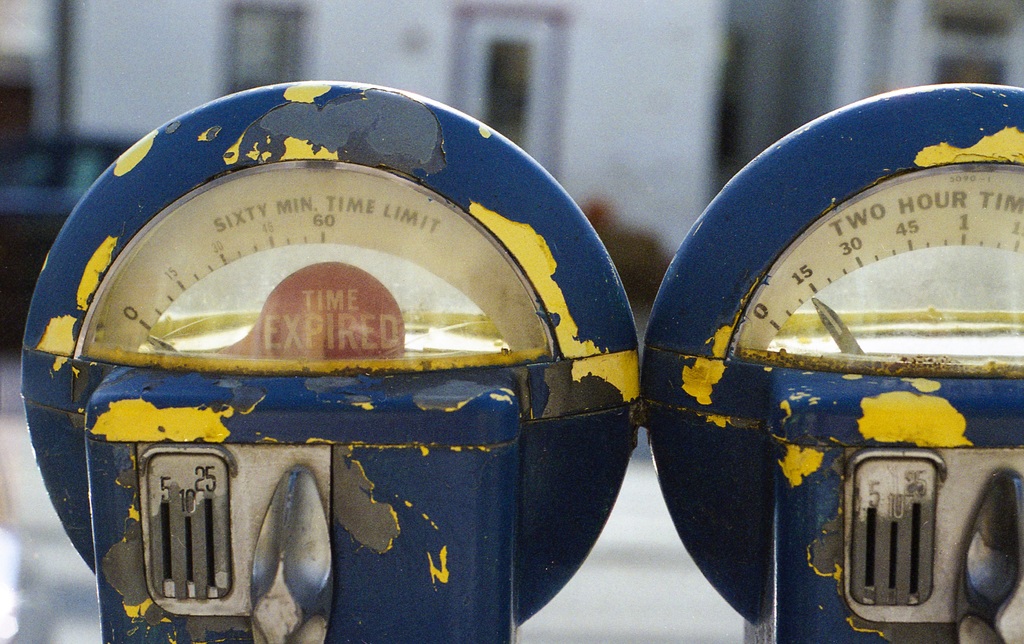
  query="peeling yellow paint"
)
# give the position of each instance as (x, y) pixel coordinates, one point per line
(209, 134)
(700, 379)
(849, 620)
(924, 385)
(720, 341)
(138, 610)
(306, 92)
(300, 150)
(716, 419)
(1006, 145)
(621, 370)
(96, 266)
(439, 574)
(59, 336)
(800, 462)
(785, 406)
(140, 420)
(231, 154)
(852, 376)
(368, 406)
(264, 156)
(902, 416)
(133, 155)
(75, 372)
(408, 504)
(133, 513)
(424, 450)
(534, 256)
(503, 397)
(59, 362)
(484, 132)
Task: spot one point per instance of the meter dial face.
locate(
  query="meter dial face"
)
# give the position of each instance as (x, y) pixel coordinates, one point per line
(299, 266)
(922, 271)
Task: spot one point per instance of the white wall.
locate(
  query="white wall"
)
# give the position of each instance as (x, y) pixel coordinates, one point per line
(640, 96)
(23, 28)
(404, 44)
(641, 121)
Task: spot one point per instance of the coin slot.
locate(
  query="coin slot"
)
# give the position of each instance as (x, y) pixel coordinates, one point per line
(869, 547)
(915, 549)
(189, 526)
(165, 540)
(893, 531)
(211, 560)
(190, 580)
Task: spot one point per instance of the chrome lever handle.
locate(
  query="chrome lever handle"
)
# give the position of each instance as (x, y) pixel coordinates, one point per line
(990, 591)
(292, 576)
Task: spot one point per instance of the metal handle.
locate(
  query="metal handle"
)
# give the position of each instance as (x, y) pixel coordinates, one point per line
(991, 597)
(291, 573)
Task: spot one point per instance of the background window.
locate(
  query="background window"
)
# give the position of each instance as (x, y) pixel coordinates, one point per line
(508, 72)
(974, 40)
(508, 87)
(264, 46)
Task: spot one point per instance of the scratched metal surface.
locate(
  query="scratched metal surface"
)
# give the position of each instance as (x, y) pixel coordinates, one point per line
(637, 585)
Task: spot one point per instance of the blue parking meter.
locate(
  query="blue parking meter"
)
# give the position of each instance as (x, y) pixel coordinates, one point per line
(832, 374)
(328, 362)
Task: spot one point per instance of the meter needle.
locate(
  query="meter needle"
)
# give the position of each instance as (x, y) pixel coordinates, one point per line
(837, 328)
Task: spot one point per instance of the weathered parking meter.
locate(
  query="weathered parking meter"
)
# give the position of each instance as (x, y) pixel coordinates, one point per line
(328, 361)
(833, 375)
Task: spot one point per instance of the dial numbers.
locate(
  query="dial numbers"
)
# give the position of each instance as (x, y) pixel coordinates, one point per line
(925, 264)
(195, 280)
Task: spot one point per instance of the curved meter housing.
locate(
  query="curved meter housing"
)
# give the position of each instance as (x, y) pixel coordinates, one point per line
(301, 266)
(924, 270)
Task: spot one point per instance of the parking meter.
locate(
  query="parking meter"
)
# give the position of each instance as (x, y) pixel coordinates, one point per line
(832, 373)
(328, 361)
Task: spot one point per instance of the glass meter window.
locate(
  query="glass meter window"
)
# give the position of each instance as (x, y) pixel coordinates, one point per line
(924, 270)
(294, 265)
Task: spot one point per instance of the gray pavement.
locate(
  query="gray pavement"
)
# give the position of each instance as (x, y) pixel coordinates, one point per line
(638, 585)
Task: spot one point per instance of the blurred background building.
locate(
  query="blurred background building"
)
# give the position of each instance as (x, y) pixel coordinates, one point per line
(642, 110)
(645, 107)
(618, 100)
